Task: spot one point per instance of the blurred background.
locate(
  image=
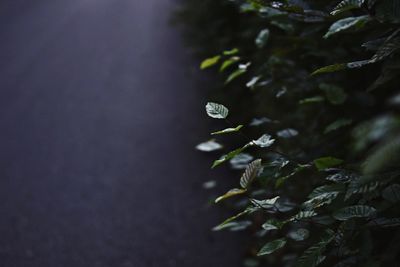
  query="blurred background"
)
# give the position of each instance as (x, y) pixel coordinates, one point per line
(101, 107)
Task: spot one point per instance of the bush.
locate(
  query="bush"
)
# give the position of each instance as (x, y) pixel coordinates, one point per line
(313, 87)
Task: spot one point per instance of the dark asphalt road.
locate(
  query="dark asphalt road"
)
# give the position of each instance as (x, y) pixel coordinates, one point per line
(98, 119)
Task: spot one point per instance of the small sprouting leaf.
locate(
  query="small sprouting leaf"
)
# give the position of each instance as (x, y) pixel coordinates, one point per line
(216, 111)
(228, 63)
(233, 226)
(209, 62)
(228, 130)
(330, 68)
(264, 141)
(346, 24)
(337, 125)
(250, 173)
(252, 83)
(271, 225)
(208, 146)
(310, 100)
(272, 246)
(231, 193)
(234, 75)
(392, 193)
(265, 203)
(327, 162)
(299, 234)
(229, 156)
(357, 211)
(231, 52)
(262, 38)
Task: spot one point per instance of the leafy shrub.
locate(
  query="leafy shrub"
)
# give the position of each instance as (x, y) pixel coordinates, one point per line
(313, 85)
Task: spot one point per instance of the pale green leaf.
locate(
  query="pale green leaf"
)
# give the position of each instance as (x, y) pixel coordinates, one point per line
(272, 246)
(228, 130)
(209, 146)
(250, 173)
(216, 111)
(357, 211)
(327, 162)
(231, 193)
(209, 62)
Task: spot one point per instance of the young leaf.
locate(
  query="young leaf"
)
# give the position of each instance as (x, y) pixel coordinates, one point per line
(272, 246)
(357, 211)
(330, 68)
(264, 141)
(231, 193)
(334, 94)
(228, 130)
(208, 146)
(313, 255)
(234, 75)
(250, 173)
(327, 162)
(346, 24)
(229, 156)
(265, 203)
(216, 111)
(228, 63)
(209, 62)
(303, 215)
(299, 234)
(346, 5)
(231, 52)
(262, 38)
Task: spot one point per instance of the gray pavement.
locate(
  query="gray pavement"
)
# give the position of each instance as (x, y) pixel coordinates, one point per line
(99, 114)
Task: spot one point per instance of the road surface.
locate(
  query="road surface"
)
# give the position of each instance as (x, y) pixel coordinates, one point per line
(99, 114)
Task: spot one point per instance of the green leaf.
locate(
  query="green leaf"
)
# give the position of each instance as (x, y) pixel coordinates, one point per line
(320, 200)
(265, 203)
(216, 111)
(347, 24)
(233, 226)
(229, 156)
(264, 141)
(299, 234)
(228, 130)
(231, 52)
(228, 63)
(385, 222)
(346, 5)
(234, 75)
(392, 193)
(327, 162)
(241, 161)
(303, 215)
(340, 123)
(313, 255)
(250, 173)
(209, 62)
(231, 193)
(357, 211)
(330, 68)
(326, 189)
(272, 247)
(310, 100)
(209, 146)
(271, 225)
(262, 38)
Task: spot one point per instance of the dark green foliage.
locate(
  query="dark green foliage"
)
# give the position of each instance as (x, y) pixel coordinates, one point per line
(315, 84)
